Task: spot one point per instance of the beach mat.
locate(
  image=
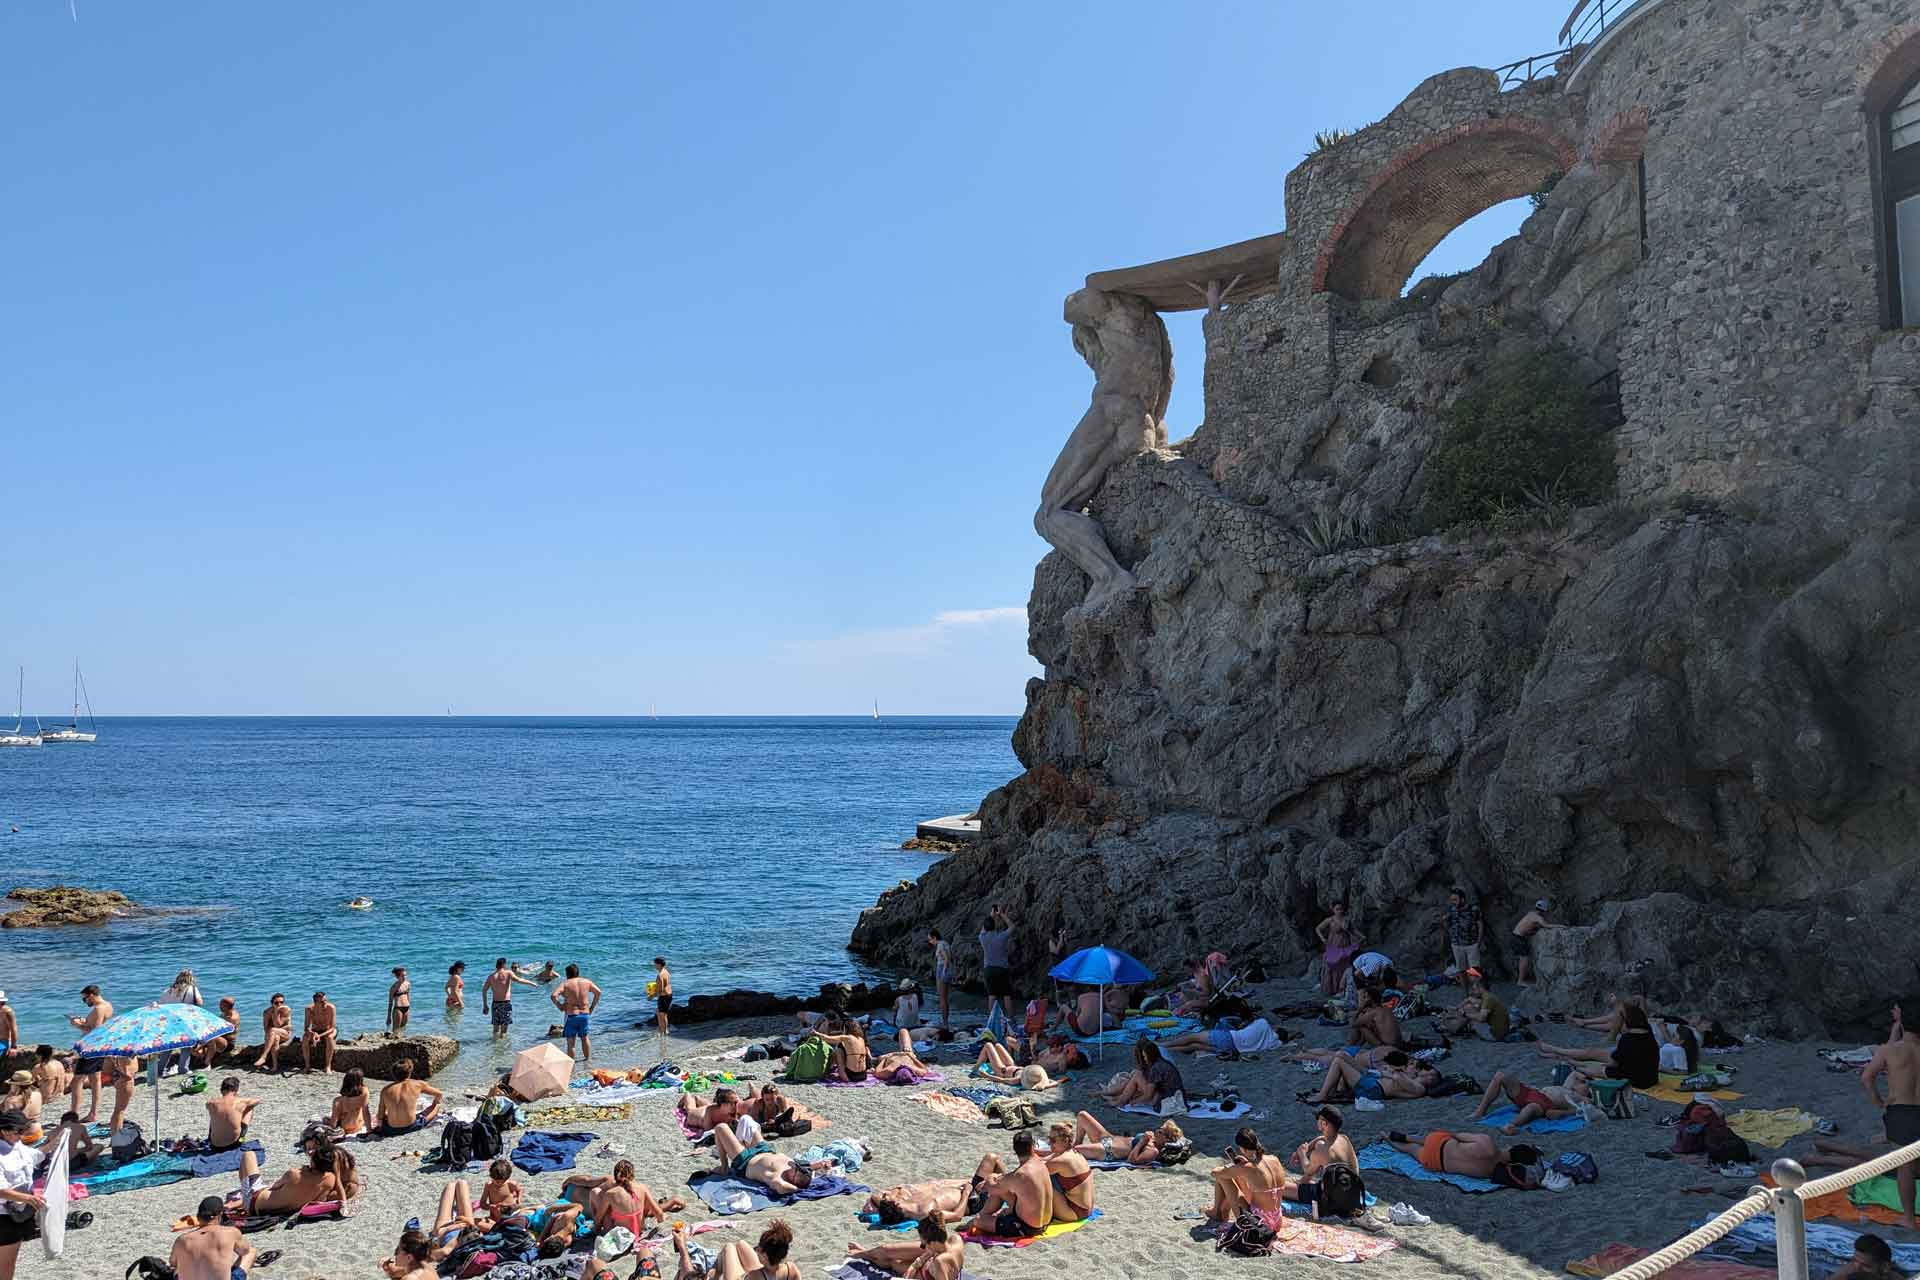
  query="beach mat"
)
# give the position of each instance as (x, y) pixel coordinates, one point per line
(1852, 1206)
(1134, 1028)
(1379, 1156)
(1198, 1111)
(1565, 1124)
(208, 1166)
(1308, 1239)
(1053, 1231)
(1616, 1257)
(714, 1190)
(1681, 1097)
(1770, 1128)
(1757, 1235)
(854, 1269)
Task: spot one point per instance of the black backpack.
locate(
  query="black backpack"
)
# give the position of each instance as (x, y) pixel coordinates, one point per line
(1247, 1235)
(151, 1268)
(1342, 1193)
(486, 1139)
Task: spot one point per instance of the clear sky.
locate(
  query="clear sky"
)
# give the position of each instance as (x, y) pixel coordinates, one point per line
(374, 357)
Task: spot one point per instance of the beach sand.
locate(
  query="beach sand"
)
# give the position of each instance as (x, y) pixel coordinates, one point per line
(1504, 1234)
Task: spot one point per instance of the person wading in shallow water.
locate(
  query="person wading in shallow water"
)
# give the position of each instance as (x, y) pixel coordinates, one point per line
(662, 993)
(496, 996)
(576, 998)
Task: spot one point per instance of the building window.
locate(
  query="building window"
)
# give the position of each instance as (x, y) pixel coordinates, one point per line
(1901, 172)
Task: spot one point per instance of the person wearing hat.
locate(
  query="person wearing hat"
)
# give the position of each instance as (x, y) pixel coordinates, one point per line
(906, 1005)
(23, 1095)
(211, 1250)
(20, 1204)
(1529, 925)
(9, 1028)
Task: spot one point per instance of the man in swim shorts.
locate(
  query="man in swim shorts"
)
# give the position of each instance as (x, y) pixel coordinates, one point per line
(86, 1071)
(577, 998)
(211, 1250)
(1527, 932)
(496, 995)
(227, 1116)
(662, 993)
(1472, 1155)
(1551, 1102)
(400, 1102)
(1016, 1205)
(781, 1175)
(1899, 1060)
(321, 1032)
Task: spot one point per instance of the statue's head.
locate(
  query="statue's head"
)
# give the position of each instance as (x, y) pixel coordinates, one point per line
(1085, 306)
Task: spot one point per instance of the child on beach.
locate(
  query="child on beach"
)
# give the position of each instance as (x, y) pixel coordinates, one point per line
(501, 1195)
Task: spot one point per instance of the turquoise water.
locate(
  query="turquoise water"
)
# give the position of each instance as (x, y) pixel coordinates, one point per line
(741, 849)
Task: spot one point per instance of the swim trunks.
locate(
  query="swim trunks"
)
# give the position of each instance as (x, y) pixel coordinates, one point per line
(664, 1003)
(1903, 1123)
(1008, 1226)
(977, 1193)
(89, 1066)
(999, 980)
(577, 1025)
(1432, 1151)
(503, 1013)
(1368, 1086)
(741, 1161)
(1221, 1039)
(1530, 1097)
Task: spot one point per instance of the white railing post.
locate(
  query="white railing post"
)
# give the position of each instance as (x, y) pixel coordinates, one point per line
(1789, 1220)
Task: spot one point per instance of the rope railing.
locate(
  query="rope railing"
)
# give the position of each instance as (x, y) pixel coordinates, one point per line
(1756, 1203)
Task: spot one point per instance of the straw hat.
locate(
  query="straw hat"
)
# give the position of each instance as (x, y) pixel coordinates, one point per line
(21, 1077)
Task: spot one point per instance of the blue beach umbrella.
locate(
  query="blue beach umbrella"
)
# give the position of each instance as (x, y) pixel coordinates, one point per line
(1101, 967)
(150, 1032)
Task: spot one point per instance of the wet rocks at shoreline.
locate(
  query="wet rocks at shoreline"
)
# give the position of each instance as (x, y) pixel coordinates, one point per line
(854, 997)
(67, 905)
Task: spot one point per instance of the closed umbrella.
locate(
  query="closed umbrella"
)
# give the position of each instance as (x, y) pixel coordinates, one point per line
(148, 1033)
(540, 1072)
(1101, 967)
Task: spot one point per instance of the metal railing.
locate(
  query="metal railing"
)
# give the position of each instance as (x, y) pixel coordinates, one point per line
(1591, 18)
(1527, 70)
(1787, 1200)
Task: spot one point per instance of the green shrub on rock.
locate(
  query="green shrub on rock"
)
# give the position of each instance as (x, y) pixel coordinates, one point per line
(1529, 427)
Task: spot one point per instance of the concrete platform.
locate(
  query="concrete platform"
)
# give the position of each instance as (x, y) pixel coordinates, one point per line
(958, 828)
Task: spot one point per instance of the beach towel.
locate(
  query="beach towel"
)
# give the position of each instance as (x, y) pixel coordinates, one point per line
(1380, 1156)
(1845, 1206)
(1757, 1235)
(1134, 1028)
(718, 1192)
(575, 1113)
(150, 1171)
(1681, 1097)
(543, 1152)
(1882, 1191)
(951, 1107)
(226, 1161)
(1616, 1257)
(854, 1269)
(1849, 1057)
(1208, 1110)
(612, 1093)
(1770, 1128)
(978, 1094)
(1052, 1232)
(1565, 1124)
(1324, 1240)
(846, 1156)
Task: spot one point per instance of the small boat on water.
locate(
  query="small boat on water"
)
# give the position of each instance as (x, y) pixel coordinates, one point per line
(360, 904)
(71, 731)
(20, 738)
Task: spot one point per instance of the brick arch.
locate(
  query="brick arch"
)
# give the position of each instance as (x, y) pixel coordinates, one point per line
(1890, 69)
(1428, 190)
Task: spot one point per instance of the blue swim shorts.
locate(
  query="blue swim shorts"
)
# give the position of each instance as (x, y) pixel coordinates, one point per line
(1368, 1086)
(1221, 1039)
(576, 1026)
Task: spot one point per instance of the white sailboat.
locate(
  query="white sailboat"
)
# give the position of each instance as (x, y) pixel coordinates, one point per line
(18, 738)
(876, 708)
(71, 731)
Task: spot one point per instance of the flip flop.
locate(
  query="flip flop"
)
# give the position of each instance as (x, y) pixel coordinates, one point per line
(268, 1258)
(79, 1219)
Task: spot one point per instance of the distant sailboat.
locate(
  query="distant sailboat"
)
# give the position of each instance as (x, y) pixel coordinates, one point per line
(876, 708)
(653, 711)
(71, 731)
(17, 738)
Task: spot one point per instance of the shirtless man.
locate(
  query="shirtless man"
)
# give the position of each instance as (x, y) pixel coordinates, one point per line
(399, 1110)
(210, 1250)
(538, 975)
(938, 1255)
(662, 993)
(780, 1174)
(1253, 1177)
(1377, 1085)
(1476, 1155)
(320, 1030)
(1529, 924)
(1072, 1175)
(81, 1148)
(577, 998)
(87, 1070)
(496, 995)
(1328, 1146)
(399, 1001)
(1550, 1102)
(915, 1201)
(1012, 1205)
(1373, 1023)
(296, 1188)
(276, 1020)
(1899, 1060)
(701, 1116)
(227, 1116)
(9, 1027)
(1367, 1057)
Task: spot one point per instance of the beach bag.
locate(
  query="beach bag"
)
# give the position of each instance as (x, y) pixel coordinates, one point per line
(151, 1268)
(457, 1143)
(1036, 1020)
(129, 1143)
(1342, 1193)
(809, 1061)
(1248, 1236)
(1577, 1165)
(1699, 1123)
(1614, 1098)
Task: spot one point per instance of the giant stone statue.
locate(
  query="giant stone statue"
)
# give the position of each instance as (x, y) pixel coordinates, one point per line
(1125, 342)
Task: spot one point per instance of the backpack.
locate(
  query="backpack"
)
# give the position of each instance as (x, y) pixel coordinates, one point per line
(1342, 1193)
(1577, 1165)
(456, 1143)
(129, 1143)
(1248, 1235)
(151, 1268)
(1698, 1123)
(486, 1139)
(809, 1061)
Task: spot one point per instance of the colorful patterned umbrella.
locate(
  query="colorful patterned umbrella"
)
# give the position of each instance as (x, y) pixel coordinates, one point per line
(149, 1033)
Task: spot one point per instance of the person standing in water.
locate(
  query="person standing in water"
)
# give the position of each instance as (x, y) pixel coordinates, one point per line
(662, 993)
(457, 985)
(577, 998)
(399, 1001)
(496, 996)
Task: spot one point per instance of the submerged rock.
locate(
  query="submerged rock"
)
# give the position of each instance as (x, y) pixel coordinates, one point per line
(66, 904)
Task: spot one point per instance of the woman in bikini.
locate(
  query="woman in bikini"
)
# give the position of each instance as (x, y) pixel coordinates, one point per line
(741, 1261)
(457, 985)
(619, 1200)
(352, 1112)
(1253, 1177)
(1094, 1141)
(277, 1021)
(1072, 1177)
(399, 1001)
(1341, 943)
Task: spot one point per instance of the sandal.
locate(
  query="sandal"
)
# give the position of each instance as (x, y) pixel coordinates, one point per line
(80, 1219)
(267, 1258)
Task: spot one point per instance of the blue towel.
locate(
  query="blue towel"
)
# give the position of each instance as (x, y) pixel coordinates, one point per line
(1380, 1156)
(542, 1152)
(226, 1161)
(151, 1171)
(978, 1095)
(1566, 1124)
(1836, 1242)
(1134, 1028)
(713, 1190)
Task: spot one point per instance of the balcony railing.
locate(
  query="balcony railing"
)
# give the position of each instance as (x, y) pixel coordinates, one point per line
(1590, 19)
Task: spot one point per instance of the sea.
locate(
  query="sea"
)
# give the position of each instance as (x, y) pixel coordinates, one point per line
(741, 849)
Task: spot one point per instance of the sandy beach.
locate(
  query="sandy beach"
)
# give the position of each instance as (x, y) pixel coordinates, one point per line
(1637, 1200)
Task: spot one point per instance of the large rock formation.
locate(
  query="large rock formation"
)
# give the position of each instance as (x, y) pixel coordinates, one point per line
(65, 905)
(1689, 718)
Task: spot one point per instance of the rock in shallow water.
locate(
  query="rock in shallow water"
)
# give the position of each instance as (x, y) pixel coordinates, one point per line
(65, 905)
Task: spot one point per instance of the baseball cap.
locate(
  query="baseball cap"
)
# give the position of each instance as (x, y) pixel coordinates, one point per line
(211, 1207)
(1541, 905)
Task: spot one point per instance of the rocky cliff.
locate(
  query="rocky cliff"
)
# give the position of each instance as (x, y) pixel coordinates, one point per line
(1692, 721)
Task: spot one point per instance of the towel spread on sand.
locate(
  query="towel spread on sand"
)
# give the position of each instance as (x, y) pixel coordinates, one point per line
(1309, 1239)
(1681, 1097)
(1198, 1111)
(1616, 1257)
(951, 1107)
(716, 1192)
(1757, 1235)
(1056, 1229)
(1847, 1206)
(1565, 1124)
(1883, 1191)
(854, 1269)
(1770, 1128)
(226, 1161)
(151, 1171)
(1134, 1028)
(610, 1093)
(575, 1113)
(542, 1152)
(1380, 1156)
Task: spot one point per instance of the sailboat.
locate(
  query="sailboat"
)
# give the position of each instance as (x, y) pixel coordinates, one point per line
(17, 738)
(876, 708)
(71, 731)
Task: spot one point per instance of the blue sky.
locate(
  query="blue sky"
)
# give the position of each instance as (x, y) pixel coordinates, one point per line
(368, 358)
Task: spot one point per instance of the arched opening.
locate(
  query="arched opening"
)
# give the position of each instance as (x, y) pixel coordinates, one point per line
(1900, 184)
(1467, 245)
(1427, 192)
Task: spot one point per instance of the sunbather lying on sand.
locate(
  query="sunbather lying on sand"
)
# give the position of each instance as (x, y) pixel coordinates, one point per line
(295, 1189)
(1829, 1153)
(914, 1201)
(853, 1058)
(1345, 1077)
(780, 1174)
(1060, 1055)
(1366, 1057)
(1476, 1155)
(1614, 1021)
(1548, 1102)
(938, 1254)
(1095, 1141)
(996, 1064)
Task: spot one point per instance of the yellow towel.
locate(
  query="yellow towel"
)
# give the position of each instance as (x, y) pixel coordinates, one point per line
(1770, 1128)
(1668, 1093)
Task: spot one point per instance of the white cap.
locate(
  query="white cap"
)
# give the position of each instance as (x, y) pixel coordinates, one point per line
(3, 997)
(1541, 905)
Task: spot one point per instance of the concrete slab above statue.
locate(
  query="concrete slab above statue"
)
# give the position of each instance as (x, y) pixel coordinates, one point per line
(1207, 279)
(1124, 341)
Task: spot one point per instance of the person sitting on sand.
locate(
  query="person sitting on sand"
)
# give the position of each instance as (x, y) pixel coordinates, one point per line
(848, 1050)
(352, 1112)
(1872, 1260)
(939, 1254)
(1096, 1142)
(1525, 932)
(1614, 1021)
(618, 1199)
(1327, 1146)
(211, 1051)
(1072, 1177)
(738, 1260)
(1679, 1045)
(915, 1201)
(1012, 1204)
(81, 1148)
(1196, 992)
(501, 1196)
(1635, 1056)
(1549, 1102)
(23, 1095)
(701, 1114)
(1151, 1083)
(227, 1116)
(1253, 1178)
(1482, 1013)
(210, 1249)
(780, 1174)
(276, 1022)
(412, 1258)
(312, 1183)
(400, 1103)
(319, 1032)
(1390, 1084)
(1084, 1016)
(1373, 1023)
(1474, 1155)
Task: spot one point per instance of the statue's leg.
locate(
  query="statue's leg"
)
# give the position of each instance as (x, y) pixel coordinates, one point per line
(1089, 454)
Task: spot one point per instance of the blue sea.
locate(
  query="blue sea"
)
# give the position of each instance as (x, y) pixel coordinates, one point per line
(741, 849)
